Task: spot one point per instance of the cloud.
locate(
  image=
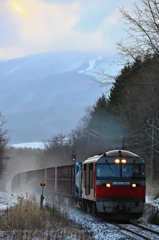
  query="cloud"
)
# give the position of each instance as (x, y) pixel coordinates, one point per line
(31, 26)
(90, 19)
(39, 28)
(89, 2)
(58, 1)
(48, 24)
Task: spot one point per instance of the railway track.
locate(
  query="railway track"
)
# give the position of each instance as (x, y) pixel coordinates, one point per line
(149, 234)
(136, 229)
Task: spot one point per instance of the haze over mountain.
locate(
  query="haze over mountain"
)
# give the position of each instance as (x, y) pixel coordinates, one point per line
(44, 94)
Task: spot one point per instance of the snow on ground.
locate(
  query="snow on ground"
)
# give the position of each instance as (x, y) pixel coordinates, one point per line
(92, 66)
(6, 200)
(101, 230)
(151, 212)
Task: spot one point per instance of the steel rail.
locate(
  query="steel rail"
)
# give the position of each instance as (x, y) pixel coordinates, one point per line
(144, 227)
(132, 231)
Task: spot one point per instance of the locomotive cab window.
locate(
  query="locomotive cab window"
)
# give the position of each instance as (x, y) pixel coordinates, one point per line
(133, 170)
(107, 170)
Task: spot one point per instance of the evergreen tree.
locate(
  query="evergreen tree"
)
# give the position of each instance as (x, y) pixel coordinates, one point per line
(121, 82)
(104, 129)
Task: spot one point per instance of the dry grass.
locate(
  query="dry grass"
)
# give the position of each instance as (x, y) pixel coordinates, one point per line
(25, 220)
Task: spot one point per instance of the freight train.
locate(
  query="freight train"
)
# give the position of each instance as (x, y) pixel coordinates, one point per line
(111, 184)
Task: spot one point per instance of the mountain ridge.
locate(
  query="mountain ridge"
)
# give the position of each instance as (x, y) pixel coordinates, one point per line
(49, 93)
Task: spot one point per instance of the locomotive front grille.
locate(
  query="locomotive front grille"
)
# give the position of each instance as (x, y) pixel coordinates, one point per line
(119, 206)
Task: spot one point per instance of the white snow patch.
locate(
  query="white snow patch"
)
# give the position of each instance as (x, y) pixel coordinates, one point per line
(6, 200)
(15, 69)
(149, 199)
(91, 67)
(29, 145)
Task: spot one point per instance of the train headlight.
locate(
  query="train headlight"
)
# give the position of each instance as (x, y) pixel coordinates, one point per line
(117, 160)
(108, 185)
(123, 160)
(133, 185)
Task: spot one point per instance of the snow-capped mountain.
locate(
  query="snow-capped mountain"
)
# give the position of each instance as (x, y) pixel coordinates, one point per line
(46, 93)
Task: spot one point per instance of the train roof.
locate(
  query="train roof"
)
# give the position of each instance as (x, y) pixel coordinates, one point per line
(120, 153)
(113, 153)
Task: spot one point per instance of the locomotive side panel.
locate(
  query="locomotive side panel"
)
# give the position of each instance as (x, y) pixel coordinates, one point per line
(88, 184)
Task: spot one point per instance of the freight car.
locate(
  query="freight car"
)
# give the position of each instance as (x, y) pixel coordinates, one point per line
(111, 184)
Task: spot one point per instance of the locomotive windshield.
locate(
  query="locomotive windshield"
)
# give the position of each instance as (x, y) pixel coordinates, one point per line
(108, 170)
(133, 170)
(120, 170)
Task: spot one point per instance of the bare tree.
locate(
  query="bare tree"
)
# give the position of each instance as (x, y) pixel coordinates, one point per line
(143, 32)
(4, 138)
(141, 41)
(56, 151)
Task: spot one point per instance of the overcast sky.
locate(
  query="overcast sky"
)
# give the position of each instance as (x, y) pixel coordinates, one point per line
(33, 26)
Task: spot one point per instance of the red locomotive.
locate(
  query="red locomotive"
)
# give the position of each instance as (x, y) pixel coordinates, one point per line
(114, 185)
(111, 184)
